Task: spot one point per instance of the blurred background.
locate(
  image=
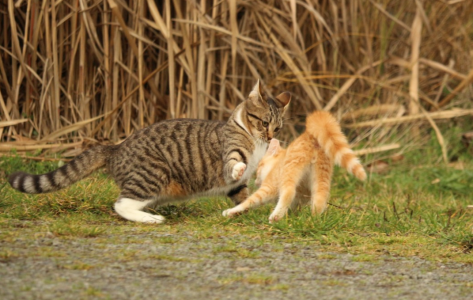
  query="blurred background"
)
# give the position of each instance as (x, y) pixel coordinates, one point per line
(397, 74)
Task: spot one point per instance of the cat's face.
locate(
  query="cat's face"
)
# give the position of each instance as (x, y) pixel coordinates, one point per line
(264, 114)
(270, 160)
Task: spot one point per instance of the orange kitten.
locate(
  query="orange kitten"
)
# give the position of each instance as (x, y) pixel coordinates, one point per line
(304, 168)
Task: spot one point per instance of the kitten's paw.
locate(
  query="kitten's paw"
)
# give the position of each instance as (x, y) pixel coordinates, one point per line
(227, 213)
(238, 170)
(231, 212)
(276, 216)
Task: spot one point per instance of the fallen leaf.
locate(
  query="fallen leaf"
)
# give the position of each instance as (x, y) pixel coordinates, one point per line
(458, 165)
(378, 167)
(397, 157)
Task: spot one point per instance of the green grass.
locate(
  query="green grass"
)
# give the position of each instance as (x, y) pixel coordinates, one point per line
(419, 207)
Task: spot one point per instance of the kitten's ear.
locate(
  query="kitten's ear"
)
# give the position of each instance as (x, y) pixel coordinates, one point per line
(283, 100)
(273, 147)
(256, 95)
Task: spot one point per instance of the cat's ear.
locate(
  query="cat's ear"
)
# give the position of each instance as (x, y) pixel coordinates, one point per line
(283, 100)
(273, 147)
(256, 95)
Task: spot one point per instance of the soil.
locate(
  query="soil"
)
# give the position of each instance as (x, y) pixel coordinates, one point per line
(157, 265)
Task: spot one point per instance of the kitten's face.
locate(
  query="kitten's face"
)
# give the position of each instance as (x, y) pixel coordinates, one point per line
(264, 114)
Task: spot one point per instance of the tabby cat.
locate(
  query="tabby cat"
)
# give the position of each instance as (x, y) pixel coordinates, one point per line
(304, 168)
(175, 159)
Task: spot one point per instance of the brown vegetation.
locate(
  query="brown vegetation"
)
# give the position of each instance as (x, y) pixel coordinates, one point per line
(99, 69)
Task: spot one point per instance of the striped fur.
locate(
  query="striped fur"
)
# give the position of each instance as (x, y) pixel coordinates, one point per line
(326, 130)
(176, 159)
(303, 169)
(80, 167)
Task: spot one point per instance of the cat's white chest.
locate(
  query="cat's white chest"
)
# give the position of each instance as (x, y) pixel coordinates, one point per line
(257, 155)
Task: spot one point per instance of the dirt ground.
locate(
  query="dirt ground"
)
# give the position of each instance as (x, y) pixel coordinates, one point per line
(157, 265)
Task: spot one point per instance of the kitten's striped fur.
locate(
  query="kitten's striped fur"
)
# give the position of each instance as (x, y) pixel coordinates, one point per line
(305, 168)
(175, 159)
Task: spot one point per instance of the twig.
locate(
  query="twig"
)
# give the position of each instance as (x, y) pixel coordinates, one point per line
(376, 149)
(6, 147)
(12, 122)
(458, 89)
(37, 158)
(449, 114)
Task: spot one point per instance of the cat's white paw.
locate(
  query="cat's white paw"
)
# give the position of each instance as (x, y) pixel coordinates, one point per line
(231, 212)
(238, 170)
(132, 210)
(153, 219)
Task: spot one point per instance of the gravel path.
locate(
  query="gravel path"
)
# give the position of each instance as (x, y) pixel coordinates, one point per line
(157, 265)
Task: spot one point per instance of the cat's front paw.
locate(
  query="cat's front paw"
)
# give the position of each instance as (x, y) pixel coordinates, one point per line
(228, 213)
(238, 170)
(231, 212)
(276, 216)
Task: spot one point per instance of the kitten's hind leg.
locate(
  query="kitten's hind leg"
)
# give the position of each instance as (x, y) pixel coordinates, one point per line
(321, 179)
(294, 170)
(132, 210)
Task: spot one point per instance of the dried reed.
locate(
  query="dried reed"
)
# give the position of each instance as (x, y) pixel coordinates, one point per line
(103, 69)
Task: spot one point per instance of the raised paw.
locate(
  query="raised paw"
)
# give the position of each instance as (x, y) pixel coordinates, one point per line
(238, 170)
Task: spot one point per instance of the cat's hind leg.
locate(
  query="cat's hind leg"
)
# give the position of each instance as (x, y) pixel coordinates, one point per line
(132, 210)
(320, 183)
(135, 196)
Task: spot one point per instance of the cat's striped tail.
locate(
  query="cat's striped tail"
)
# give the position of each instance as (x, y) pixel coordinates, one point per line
(326, 130)
(78, 168)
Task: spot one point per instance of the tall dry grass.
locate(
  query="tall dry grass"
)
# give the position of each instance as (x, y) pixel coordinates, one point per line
(78, 69)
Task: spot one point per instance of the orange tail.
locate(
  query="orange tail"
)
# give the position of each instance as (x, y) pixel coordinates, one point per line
(326, 130)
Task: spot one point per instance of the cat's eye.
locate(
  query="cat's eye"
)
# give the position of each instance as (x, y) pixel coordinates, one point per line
(265, 124)
(276, 129)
